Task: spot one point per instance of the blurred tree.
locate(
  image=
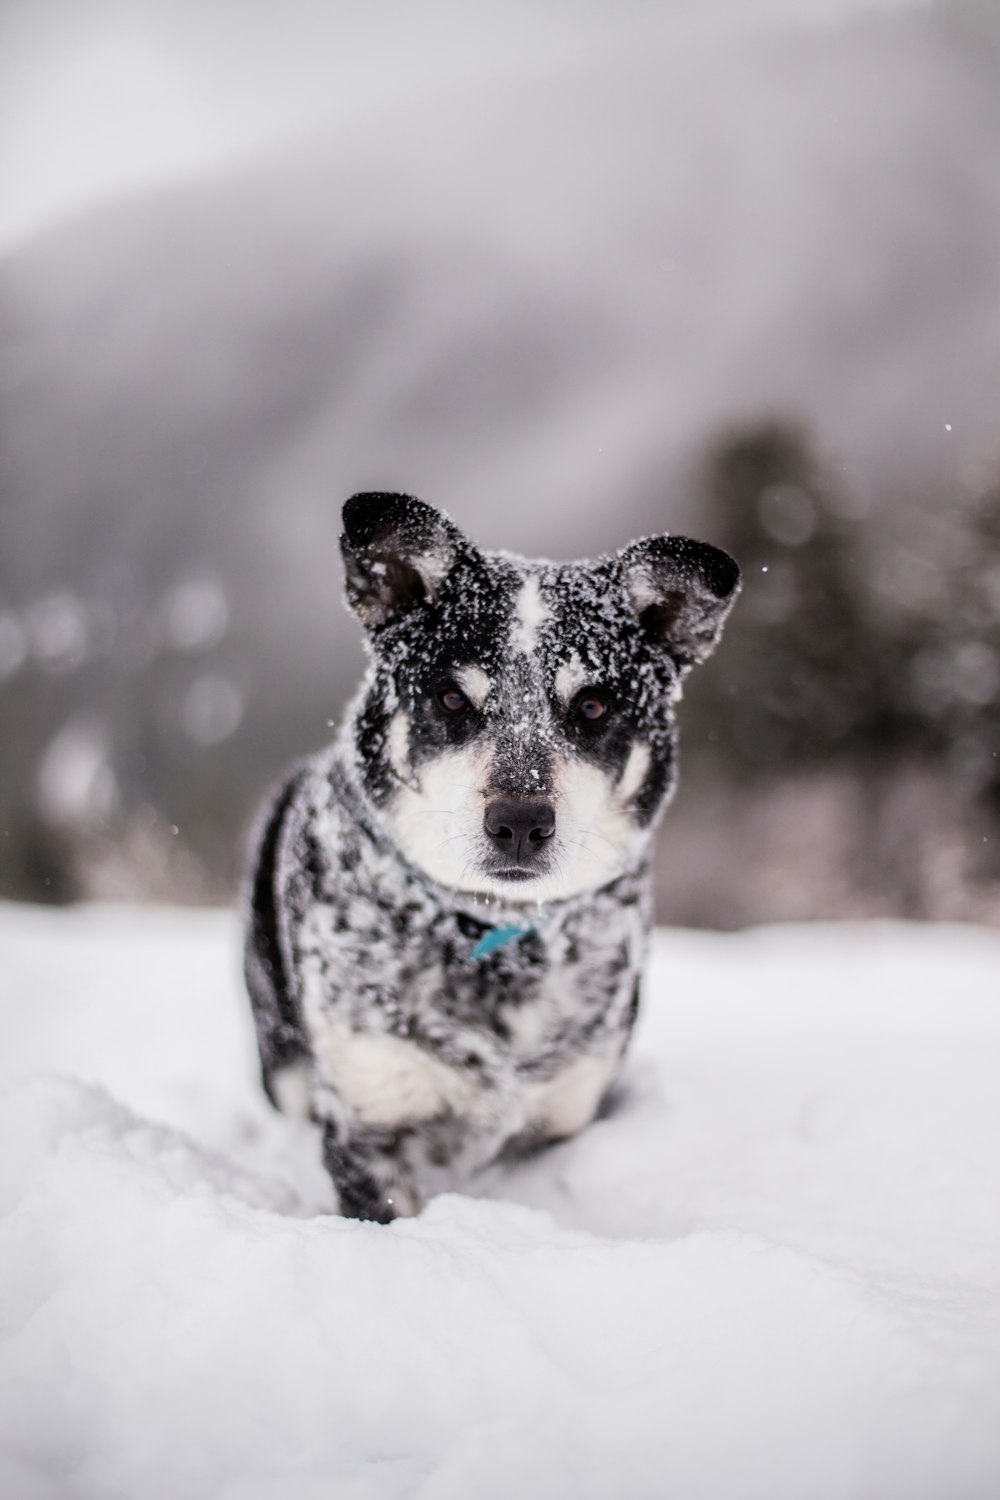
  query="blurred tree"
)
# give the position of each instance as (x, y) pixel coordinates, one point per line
(948, 636)
(802, 675)
(864, 657)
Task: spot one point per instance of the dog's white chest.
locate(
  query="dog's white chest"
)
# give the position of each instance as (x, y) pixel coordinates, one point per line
(565, 1103)
(387, 1081)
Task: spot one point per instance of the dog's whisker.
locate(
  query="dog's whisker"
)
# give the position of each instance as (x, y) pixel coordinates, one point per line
(599, 835)
(429, 812)
(455, 838)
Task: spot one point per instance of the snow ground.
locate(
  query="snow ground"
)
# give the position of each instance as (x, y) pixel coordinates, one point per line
(772, 1270)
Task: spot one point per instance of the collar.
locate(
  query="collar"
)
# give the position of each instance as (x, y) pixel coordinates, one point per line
(498, 937)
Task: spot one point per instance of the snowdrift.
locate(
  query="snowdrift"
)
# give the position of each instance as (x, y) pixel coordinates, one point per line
(770, 1270)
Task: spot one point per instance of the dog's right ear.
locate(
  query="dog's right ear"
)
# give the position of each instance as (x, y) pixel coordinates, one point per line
(396, 552)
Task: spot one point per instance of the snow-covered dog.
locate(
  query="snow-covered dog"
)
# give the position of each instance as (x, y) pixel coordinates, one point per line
(448, 907)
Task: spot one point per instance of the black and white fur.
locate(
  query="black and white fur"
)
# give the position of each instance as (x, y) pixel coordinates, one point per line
(503, 765)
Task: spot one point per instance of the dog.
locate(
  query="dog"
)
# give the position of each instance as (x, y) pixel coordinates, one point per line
(448, 907)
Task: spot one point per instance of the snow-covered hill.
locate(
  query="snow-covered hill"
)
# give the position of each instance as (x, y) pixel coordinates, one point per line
(772, 1269)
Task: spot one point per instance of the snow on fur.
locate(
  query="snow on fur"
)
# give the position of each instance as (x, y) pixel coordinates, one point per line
(772, 1270)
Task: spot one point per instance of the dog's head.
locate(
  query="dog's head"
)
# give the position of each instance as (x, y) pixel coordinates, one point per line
(517, 731)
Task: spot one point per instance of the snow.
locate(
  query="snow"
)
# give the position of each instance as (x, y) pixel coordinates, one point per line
(771, 1271)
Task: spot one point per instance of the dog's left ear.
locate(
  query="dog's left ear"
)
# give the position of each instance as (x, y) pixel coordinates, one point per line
(682, 591)
(396, 551)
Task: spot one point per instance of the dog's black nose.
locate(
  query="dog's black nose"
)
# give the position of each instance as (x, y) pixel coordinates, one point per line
(520, 829)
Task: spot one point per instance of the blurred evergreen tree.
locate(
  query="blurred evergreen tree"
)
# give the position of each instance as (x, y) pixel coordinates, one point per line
(803, 675)
(950, 641)
(870, 648)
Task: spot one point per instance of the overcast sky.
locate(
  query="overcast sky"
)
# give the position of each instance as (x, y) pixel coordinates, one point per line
(101, 98)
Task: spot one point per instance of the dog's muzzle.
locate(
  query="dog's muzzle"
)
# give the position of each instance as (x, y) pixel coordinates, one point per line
(519, 832)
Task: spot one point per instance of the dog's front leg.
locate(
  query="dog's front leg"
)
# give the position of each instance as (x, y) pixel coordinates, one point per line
(370, 1173)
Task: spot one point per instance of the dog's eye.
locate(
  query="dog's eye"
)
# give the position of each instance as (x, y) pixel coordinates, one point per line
(592, 707)
(452, 701)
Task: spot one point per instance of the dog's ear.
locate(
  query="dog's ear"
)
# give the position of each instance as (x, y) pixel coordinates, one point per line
(682, 591)
(396, 552)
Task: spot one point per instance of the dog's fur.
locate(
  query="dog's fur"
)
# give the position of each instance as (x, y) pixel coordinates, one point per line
(502, 767)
